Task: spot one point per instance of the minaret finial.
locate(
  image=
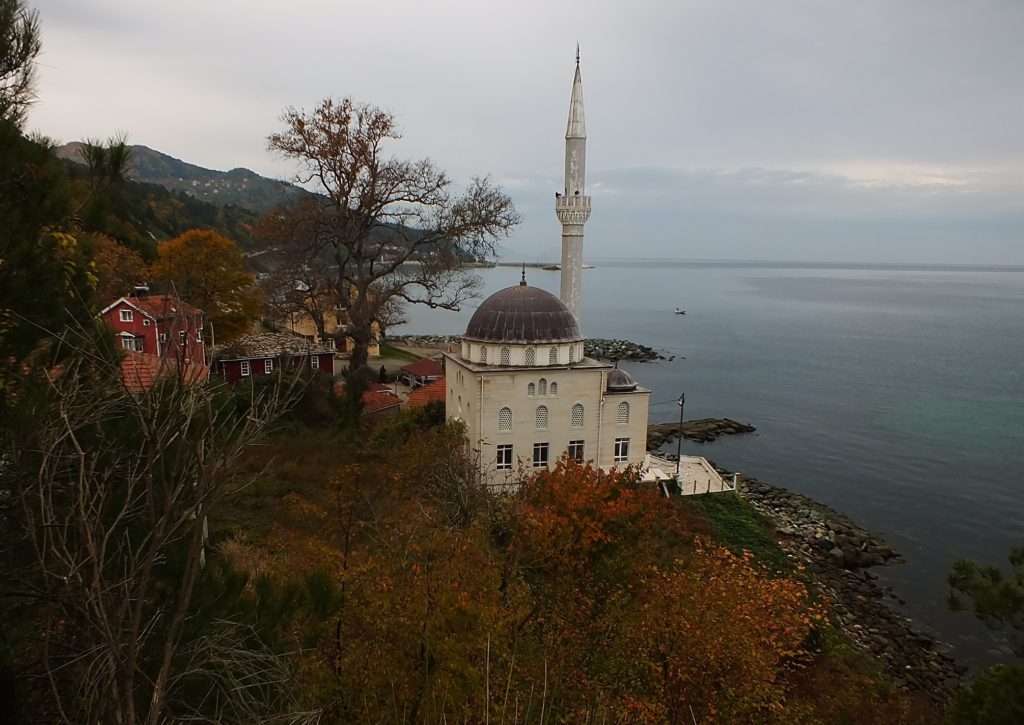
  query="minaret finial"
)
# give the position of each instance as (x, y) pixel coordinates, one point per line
(522, 282)
(577, 52)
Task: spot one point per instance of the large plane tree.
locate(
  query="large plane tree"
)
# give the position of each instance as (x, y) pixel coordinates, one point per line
(385, 230)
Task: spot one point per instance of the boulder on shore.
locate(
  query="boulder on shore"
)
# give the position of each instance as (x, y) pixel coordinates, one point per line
(703, 430)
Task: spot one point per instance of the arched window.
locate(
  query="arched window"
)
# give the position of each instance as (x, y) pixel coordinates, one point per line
(553, 356)
(542, 417)
(531, 356)
(531, 390)
(553, 389)
(506, 356)
(622, 413)
(483, 354)
(542, 387)
(504, 420)
(576, 416)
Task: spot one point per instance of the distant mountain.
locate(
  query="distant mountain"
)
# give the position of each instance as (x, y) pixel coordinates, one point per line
(238, 187)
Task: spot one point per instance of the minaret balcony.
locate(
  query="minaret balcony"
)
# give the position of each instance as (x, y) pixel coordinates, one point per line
(572, 209)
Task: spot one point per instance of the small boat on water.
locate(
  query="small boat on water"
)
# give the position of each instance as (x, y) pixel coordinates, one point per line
(551, 267)
(680, 312)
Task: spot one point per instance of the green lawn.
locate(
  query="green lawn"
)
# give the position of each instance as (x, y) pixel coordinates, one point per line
(737, 526)
(397, 353)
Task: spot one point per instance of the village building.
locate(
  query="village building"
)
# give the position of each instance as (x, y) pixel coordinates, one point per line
(160, 336)
(160, 325)
(432, 392)
(520, 383)
(264, 353)
(421, 372)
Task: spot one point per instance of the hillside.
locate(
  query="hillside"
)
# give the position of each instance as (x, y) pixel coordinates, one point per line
(237, 187)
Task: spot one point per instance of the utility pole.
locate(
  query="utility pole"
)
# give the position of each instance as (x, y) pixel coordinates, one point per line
(679, 442)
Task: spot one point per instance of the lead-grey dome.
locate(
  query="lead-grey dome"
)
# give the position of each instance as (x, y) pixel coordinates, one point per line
(523, 314)
(619, 381)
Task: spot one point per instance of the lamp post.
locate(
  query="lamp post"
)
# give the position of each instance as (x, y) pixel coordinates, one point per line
(679, 442)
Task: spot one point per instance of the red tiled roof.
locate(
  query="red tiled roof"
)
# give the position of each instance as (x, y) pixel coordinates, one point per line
(140, 371)
(162, 306)
(432, 392)
(375, 401)
(424, 368)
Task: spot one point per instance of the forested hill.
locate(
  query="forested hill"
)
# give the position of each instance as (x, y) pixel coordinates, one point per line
(238, 187)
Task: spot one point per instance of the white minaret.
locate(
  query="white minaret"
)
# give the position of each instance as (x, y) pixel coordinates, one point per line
(573, 205)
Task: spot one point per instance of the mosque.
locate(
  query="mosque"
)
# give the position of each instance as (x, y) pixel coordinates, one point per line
(520, 382)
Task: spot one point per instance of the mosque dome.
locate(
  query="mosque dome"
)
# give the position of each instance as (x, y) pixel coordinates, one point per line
(523, 314)
(619, 381)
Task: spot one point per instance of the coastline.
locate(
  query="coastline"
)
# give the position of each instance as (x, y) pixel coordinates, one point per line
(837, 556)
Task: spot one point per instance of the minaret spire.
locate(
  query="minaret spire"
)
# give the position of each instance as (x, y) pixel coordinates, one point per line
(573, 205)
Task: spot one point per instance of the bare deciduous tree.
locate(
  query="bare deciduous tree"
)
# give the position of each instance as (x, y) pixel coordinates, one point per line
(114, 489)
(389, 229)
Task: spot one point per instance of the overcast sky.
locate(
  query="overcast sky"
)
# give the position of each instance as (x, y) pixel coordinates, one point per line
(889, 131)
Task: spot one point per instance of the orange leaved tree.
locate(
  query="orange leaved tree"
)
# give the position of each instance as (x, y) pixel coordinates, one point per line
(208, 271)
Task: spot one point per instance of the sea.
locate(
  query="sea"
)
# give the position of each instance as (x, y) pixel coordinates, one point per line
(892, 393)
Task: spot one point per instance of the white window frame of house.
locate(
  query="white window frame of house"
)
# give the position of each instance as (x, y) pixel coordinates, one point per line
(127, 315)
(145, 322)
(199, 334)
(268, 366)
(621, 450)
(128, 342)
(182, 337)
(503, 461)
(505, 414)
(622, 413)
(577, 454)
(576, 421)
(541, 417)
(540, 455)
(163, 337)
(246, 368)
(314, 362)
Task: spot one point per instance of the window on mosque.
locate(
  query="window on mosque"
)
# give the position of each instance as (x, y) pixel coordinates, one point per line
(531, 390)
(506, 356)
(621, 450)
(576, 416)
(576, 451)
(542, 387)
(531, 356)
(542, 417)
(553, 356)
(622, 413)
(553, 390)
(505, 420)
(540, 455)
(504, 462)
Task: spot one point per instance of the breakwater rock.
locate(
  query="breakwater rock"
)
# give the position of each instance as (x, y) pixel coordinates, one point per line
(837, 554)
(703, 430)
(597, 348)
(606, 349)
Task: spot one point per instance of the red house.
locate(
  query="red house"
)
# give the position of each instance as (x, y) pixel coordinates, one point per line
(159, 325)
(263, 353)
(422, 372)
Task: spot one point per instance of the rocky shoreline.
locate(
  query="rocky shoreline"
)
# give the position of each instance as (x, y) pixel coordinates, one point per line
(838, 555)
(703, 430)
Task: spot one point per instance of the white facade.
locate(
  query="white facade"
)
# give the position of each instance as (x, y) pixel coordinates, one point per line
(560, 406)
(572, 206)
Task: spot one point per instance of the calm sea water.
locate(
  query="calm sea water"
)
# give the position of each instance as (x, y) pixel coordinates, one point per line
(893, 394)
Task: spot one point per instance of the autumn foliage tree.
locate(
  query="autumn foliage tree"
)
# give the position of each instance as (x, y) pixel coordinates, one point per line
(116, 268)
(584, 597)
(208, 271)
(387, 229)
